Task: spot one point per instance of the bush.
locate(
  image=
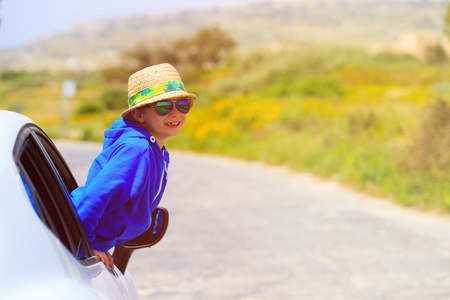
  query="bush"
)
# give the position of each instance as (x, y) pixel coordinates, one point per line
(115, 75)
(115, 99)
(89, 107)
(431, 141)
(24, 79)
(88, 134)
(319, 86)
(10, 75)
(435, 54)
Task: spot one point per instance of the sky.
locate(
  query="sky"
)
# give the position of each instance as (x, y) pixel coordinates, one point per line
(23, 21)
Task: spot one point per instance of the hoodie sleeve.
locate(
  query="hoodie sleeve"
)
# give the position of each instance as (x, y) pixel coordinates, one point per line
(120, 180)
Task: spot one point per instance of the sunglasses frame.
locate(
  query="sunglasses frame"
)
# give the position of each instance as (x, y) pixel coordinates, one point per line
(172, 105)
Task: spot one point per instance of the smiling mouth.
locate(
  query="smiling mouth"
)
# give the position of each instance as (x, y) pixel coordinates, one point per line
(173, 124)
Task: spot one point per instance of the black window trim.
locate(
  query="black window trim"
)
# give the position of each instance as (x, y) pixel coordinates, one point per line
(41, 208)
(34, 133)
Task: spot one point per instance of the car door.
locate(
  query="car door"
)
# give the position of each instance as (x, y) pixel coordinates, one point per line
(49, 181)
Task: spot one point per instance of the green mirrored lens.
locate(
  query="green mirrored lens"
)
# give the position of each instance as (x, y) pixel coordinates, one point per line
(164, 107)
(183, 106)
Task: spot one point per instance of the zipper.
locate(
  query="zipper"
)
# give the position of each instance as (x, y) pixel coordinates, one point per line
(164, 172)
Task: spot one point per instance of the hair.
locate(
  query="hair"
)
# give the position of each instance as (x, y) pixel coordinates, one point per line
(130, 117)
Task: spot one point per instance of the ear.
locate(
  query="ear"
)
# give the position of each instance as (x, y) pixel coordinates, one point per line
(137, 115)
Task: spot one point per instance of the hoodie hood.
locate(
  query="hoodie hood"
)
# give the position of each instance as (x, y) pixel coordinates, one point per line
(123, 129)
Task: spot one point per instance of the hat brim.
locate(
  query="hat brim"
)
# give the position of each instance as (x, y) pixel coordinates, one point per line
(172, 95)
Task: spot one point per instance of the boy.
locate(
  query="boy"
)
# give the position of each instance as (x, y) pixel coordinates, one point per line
(127, 179)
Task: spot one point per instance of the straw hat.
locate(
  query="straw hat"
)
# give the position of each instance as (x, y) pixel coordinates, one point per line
(153, 84)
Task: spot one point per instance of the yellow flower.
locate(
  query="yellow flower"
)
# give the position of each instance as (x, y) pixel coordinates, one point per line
(232, 117)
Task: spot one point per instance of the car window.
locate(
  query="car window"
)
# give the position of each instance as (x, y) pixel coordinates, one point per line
(49, 181)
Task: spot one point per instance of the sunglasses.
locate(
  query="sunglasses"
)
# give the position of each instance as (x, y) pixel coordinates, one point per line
(165, 107)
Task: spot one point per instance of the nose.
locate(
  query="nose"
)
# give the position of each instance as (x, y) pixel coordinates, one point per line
(174, 111)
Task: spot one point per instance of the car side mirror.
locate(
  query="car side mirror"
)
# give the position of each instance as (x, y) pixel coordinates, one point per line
(154, 234)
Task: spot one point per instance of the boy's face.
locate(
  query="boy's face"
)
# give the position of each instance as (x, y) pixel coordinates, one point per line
(161, 127)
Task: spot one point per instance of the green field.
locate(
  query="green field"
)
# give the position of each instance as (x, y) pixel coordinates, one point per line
(380, 124)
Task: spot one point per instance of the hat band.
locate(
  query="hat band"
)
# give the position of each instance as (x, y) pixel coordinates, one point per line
(157, 89)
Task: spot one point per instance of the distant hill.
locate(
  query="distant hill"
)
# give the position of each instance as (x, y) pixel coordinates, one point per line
(374, 24)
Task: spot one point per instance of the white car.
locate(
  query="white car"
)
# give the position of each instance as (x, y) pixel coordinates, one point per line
(44, 251)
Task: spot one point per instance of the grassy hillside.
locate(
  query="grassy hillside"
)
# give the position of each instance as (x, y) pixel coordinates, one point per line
(374, 24)
(377, 123)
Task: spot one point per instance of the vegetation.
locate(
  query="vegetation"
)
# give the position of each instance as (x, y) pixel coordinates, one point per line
(446, 28)
(364, 23)
(203, 50)
(378, 123)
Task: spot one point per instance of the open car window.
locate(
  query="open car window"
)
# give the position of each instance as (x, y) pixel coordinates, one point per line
(49, 181)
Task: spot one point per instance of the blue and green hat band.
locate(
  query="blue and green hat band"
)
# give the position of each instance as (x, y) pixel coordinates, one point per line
(156, 90)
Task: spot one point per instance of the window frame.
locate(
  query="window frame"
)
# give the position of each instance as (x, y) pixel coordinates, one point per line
(50, 182)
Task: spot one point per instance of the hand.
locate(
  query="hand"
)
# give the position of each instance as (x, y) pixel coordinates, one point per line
(106, 258)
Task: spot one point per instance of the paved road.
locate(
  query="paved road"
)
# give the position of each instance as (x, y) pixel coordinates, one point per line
(242, 230)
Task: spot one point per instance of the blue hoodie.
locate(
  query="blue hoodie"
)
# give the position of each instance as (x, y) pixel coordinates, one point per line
(124, 185)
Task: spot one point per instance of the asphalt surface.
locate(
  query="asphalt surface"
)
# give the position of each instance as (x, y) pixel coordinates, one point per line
(241, 230)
